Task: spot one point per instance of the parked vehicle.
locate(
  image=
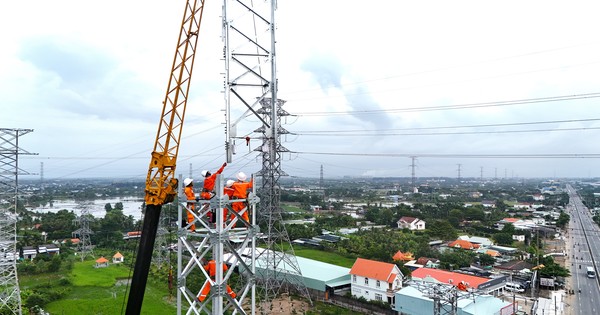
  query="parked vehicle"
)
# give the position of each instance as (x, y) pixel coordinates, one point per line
(514, 287)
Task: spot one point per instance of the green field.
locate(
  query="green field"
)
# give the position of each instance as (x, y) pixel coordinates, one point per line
(323, 256)
(92, 290)
(89, 290)
(292, 208)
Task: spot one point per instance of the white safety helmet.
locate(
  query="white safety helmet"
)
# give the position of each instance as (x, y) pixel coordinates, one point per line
(204, 173)
(230, 183)
(187, 181)
(241, 176)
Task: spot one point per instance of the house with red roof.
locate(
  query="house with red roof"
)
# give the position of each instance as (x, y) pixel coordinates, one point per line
(411, 223)
(101, 262)
(464, 244)
(447, 277)
(375, 280)
(400, 256)
(118, 258)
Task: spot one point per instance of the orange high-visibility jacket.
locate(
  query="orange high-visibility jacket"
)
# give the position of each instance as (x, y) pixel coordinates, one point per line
(189, 193)
(211, 267)
(228, 191)
(240, 189)
(209, 182)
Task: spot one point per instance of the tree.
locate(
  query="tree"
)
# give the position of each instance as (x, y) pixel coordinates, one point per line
(455, 217)
(107, 207)
(503, 238)
(486, 260)
(508, 228)
(552, 269)
(500, 205)
(386, 216)
(119, 206)
(563, 220)
(457, 259)
(441, 229)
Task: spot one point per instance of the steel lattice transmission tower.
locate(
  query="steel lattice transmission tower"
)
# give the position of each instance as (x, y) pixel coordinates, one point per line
(10, 295)
(251, 84)
(84, 247)
(225, 244)
(161, 244)
(282, 271)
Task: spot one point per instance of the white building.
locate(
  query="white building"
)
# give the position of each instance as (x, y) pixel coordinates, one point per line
(411, 223)
(375, 280)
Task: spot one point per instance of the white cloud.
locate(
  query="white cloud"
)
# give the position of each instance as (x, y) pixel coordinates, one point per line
(90, 79)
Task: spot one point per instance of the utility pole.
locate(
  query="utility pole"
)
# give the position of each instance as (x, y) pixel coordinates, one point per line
(481, 173)
(496, 173)
(459, 165)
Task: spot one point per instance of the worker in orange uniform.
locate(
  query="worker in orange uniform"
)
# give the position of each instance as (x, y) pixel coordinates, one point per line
(208, 189)
(240, 191)
(211, 268)
(227, 190)
(189, 194)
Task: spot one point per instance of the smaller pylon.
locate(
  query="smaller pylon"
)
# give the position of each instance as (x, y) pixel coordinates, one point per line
(84, 247)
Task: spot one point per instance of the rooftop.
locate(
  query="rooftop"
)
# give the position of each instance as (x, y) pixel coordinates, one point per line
(448, 277)
(373, 269)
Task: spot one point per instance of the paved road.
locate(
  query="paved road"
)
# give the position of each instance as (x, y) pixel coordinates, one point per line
(583, 250)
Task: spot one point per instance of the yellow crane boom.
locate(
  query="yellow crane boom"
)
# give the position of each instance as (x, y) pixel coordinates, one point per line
(161, 184)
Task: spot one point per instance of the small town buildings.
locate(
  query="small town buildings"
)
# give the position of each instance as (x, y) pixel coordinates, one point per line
(327, 279)
(462, 244)
(482, 241)
(400, 256)
(101, 262)
(488, 203)
(460, 280)
(411, 223)
(29, 252)
(48, 249)
(375, 280)
(519, 238)
(422, 262)
(118, 258)
(416, 300)
(538, 197)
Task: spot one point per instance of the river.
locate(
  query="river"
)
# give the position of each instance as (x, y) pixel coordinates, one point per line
(131, 206)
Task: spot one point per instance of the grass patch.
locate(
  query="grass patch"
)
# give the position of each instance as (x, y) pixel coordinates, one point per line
(84, 274)
(28, 281)
(94, 291)
(94, 300)
(323, 256)
(321, 308)
(292, 208)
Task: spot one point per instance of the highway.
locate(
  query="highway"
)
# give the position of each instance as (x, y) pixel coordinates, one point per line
(583, 249)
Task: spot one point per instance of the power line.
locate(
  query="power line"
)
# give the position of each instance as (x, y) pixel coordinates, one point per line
(454, 127)
(484, 156)
(451, 133)
(458, 106)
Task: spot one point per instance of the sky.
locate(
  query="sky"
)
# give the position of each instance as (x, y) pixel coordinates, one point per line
(481, 88)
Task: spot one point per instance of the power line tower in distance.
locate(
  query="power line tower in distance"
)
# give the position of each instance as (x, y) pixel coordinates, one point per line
(84, 247)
